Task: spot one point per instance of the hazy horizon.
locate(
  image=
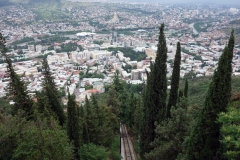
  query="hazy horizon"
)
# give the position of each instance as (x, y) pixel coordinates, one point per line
(228, 2)
(225, 2)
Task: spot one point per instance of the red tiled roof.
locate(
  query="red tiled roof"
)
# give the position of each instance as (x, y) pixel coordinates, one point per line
(93, 91)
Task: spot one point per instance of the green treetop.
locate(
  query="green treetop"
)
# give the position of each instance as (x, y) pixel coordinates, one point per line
(154, 96)
(204, 140)
(173, 97)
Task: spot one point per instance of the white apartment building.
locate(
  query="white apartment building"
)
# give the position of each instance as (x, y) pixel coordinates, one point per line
(100, 54)
(59, 58)
(80, 56)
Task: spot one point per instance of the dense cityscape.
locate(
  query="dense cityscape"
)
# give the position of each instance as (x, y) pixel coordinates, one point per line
(96, 27)
(103, 80)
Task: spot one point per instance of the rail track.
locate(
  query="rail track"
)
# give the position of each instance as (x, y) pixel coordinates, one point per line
(127, 144)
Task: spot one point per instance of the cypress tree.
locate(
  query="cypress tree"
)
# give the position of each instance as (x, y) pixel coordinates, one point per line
(116, 82)
(88, 122)
(81, 122)
(138, 116)
(73, 129)
(186, 89)
(180, 95)
(96, 122)
(155, 95)
(160, 78)
(132, 106)
(146, 128)
(204, 140)
(98, 112)
(231, 43)
(173, 97)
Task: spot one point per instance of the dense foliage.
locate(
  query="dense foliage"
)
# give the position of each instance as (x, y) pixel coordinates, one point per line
(69, 47)
(129, 52)
(230, 130)
(173, 96)
(24, 40)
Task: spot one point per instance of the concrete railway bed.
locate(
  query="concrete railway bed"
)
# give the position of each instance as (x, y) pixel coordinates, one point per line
(129, 153)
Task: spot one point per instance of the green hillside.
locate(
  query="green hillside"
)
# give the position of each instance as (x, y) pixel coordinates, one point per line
(49, 10)
(198, 88)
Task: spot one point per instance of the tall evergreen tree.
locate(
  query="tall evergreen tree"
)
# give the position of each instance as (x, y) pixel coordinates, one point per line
(117, 85)
(73, 129)
(17, 87)
(159, 76)
(180, 95)
(95, 120)
(231, 43)
(204, 140)
(147, 127)
(171, 133)
(89, 114)
(132, 109)
(99, 124)
(82, 131)
(104, 126)
(51, 93)
(2, 44)
(137, 116)
(48, 78)
(173, 97)
(155, 94)
(55, 105)
(113, 101)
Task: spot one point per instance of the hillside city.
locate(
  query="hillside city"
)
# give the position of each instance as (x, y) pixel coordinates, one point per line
(91, 41)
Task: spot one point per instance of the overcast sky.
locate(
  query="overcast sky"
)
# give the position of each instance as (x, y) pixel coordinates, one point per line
(229, 2)
(209, 1)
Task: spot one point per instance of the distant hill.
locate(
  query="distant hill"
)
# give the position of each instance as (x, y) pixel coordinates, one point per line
(9, 2)
(36, 1)
(4, 3)
(237, 21)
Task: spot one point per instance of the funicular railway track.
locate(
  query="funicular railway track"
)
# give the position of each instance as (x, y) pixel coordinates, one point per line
(127, 145)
